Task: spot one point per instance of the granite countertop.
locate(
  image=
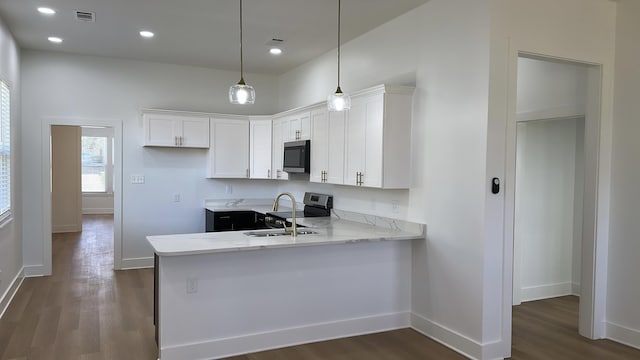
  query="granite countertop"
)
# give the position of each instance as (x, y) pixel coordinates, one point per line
(341, 228)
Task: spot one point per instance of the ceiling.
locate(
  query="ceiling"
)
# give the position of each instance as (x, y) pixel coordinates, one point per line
(199, 32)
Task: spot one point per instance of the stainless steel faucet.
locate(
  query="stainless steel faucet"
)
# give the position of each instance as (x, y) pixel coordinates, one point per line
(294, 227)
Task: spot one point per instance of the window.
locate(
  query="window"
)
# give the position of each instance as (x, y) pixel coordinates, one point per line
(5, 152)
(97, 160)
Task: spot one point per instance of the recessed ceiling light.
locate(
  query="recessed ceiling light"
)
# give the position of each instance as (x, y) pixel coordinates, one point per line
(275, 51)
(55, 39)
(146, 34)
(46, 11)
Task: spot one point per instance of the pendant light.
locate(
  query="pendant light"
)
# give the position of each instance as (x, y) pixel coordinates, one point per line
(241, 93)
(339, 101)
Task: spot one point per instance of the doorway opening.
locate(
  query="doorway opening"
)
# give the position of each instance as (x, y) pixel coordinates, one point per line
(549, 182)
(81, 192)
(95, 179)
(553, 136)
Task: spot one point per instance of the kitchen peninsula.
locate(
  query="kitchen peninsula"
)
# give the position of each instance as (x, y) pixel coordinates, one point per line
(227, 293)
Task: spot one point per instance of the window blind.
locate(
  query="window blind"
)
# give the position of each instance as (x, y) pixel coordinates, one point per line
(5, 151)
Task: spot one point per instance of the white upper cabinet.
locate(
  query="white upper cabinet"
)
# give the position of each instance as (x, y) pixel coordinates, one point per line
(228, 155)
(176, 130)
(280, 132)
(300, 126)
(260, 149)
(378, 138)
(327, 146)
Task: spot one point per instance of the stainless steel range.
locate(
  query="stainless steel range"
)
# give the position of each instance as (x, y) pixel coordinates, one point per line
(315, 205)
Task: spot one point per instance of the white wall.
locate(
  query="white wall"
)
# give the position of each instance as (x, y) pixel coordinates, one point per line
(66, 179)
(431, 46)
(545, 198)
(568, 29)
(11, 232)
(548, 89)
(623, 290)
(79, 87)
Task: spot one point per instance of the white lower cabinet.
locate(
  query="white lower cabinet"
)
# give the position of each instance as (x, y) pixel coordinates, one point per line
(175, 130)
(228, 155)
(378, 138)
(260, 149)
(327, 146)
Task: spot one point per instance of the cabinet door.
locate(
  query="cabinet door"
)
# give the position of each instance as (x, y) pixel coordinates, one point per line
(195, 132)
(277, 155)
(300, 126)
(355, 141)
(319, 145)
(373, 157)
(260, 149)
(228, 155)
(364, 136)
(336, 147)
(327, 146)
(161, 130)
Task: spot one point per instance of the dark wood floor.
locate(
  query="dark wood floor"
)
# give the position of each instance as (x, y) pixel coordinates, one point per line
(87, 311)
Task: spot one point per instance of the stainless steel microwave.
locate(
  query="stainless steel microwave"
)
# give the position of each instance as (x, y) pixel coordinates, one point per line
(297, 156)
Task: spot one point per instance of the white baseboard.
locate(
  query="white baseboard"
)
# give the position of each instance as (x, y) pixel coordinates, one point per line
(97, 211)
(137, 263)
(8, 295)
(249, 343)
(33, 270)
(447, 337)
(623, 335)
(546, 291)
(66, 228)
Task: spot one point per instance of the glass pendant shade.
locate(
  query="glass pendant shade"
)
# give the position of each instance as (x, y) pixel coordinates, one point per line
(339, 101)
(242, 94)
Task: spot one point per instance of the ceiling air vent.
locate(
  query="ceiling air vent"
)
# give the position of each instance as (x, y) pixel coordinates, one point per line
(274, 42)
(88, 16)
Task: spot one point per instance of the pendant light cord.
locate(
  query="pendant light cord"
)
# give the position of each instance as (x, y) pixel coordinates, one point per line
(339, 1)
(241, 55)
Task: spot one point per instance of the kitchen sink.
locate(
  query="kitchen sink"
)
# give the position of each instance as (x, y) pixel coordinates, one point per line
(266, 233)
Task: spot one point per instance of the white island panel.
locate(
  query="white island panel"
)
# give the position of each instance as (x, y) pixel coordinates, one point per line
(248, 301)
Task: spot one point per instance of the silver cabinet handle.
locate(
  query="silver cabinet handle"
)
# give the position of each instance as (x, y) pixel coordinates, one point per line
(247, 173)
(175, 140)
(278, 173)
(359, 180)
(268, 173)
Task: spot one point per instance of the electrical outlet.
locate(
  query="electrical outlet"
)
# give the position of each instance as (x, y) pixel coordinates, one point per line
(192, 285)
(229, 189)
(176, 197)
(395, 206)
(137, 179)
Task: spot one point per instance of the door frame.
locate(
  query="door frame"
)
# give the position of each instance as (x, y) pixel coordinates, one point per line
(116, 125)
(596, 209)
